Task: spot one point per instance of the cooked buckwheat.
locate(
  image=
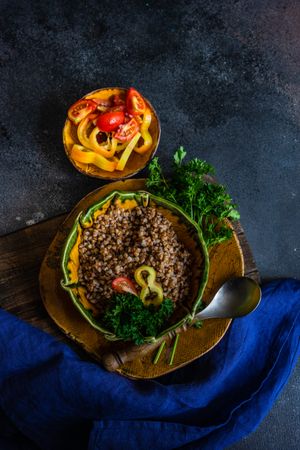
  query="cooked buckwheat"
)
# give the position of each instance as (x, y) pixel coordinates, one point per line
(120, 241)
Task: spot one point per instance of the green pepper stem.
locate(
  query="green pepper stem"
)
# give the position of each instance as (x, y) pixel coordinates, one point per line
(159, 352)
(174, 350)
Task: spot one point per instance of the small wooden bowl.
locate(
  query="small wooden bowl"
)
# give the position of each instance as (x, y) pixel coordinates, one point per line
(136, 161)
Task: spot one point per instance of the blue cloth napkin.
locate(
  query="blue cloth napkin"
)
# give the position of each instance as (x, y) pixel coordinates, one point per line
(62, 402)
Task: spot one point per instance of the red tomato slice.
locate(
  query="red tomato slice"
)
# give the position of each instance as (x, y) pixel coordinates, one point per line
(110, 121)
(124, 284)
(135, 103)
(81, 109)
(126, 131)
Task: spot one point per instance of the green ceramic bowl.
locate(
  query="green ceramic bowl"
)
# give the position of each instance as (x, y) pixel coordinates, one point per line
(188, 232)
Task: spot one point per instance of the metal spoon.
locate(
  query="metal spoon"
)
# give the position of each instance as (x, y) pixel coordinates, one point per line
(237, 297)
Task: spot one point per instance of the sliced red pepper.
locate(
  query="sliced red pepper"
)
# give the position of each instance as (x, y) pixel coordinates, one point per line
(135, 103)
(124, 284)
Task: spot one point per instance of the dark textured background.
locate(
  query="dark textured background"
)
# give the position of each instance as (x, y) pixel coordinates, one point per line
(224, 78)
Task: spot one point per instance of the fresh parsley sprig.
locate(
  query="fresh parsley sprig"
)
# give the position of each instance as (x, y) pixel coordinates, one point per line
(207, 203)
(129, 319)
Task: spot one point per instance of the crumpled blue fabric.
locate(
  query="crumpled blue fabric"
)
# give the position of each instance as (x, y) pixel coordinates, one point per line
(60, 401)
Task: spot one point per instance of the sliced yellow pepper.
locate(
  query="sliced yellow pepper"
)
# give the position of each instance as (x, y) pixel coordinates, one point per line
(127, 152)
(91, 140)
(114, 144)
(117, 146)
(105, 150)
(116, 160)
(120, 146)
(82, 295)
(82, 132)
(84, 155)
(127, 204)
(151, 293)
(145, 133)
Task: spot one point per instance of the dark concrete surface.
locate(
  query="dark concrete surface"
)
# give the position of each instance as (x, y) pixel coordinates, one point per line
(224, 78)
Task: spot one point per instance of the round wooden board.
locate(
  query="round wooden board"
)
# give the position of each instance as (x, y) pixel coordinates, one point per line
(226, 261)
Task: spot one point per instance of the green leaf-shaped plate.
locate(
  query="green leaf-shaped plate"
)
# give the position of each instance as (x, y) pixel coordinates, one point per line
(188, 232)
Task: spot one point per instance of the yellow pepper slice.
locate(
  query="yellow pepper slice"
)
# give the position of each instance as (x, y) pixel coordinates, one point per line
(105, 150)
(127, 152)
(145, 133)
(84, 155)
(82, 295)
(118, 145)
(82, 132)
(114, 144)
(151, 293)
(91, 140)
(116, 160)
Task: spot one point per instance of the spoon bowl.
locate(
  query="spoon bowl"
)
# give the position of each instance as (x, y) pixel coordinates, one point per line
(237, 297)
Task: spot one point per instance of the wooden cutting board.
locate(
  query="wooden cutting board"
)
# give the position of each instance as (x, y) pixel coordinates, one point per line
(22, 253)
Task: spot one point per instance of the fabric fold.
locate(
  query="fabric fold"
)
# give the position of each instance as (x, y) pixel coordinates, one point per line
(61, 402)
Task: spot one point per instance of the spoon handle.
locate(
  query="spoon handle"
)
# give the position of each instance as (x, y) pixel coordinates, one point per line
(113, 360)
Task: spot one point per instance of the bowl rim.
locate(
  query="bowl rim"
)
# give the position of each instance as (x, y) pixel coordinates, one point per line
(143, 196)
(131, 174)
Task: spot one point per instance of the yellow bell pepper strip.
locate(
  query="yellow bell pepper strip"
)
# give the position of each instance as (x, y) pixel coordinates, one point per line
(121, 145)
(116, 160)
(127, 152)
(117, 146)
(151, 293)
(84, 155)
(145, 133)
(103, 149)
(114, 144)
(83, 299)
(91, 141)
(82, 132)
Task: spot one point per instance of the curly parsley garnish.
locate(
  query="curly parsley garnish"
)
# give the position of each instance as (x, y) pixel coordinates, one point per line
(206, 203)
(129, 319)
